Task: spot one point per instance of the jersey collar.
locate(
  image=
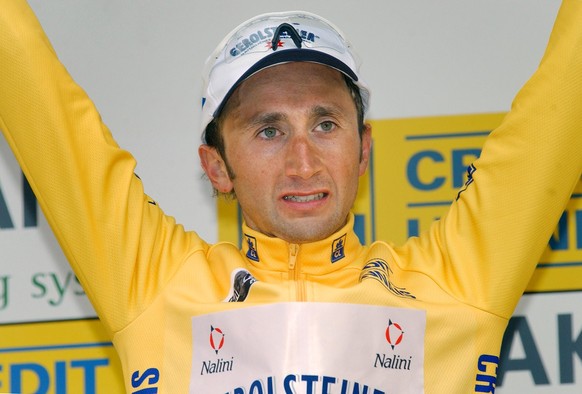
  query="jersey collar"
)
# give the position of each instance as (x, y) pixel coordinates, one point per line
(316, 258)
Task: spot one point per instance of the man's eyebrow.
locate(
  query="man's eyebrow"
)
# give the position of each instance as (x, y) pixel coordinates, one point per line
(320, 110)
(266, 118)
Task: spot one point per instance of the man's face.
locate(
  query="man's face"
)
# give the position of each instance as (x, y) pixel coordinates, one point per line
(291, 140)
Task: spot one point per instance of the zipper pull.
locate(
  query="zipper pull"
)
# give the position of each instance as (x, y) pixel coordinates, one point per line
(293, 249)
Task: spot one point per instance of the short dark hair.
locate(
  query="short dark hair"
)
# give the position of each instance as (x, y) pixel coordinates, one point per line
(215, 140)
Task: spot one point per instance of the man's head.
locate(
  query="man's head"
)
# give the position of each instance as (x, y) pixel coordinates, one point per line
(284, 125)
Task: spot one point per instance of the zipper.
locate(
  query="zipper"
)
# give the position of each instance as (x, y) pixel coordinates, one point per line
(295, 272)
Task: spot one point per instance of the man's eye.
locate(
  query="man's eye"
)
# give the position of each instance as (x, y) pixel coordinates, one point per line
(269, 132)
(327, 126)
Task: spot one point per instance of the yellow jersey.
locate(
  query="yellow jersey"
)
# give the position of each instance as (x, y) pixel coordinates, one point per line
(333, 316)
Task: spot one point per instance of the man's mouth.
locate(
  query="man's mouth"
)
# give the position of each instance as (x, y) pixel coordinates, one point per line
(308, 198)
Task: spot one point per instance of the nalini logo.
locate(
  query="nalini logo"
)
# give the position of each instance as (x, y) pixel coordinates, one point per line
(394, 334)
(216, 338)
(219, 364)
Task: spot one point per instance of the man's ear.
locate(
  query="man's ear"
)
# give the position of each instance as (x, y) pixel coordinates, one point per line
(366, 148)
(215, 168)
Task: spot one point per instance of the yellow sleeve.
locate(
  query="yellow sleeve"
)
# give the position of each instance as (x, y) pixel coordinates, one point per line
(117, 239)
(486, 247)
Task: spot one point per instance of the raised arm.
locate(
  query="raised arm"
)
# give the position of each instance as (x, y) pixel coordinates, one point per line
(113, 235)
(493, 236)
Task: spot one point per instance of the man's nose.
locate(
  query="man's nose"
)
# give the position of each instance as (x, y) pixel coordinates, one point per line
(303, 157)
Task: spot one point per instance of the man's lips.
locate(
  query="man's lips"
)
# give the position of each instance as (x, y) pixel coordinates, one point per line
(305, 198)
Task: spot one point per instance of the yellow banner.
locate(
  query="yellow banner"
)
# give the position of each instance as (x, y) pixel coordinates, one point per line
(58, 358)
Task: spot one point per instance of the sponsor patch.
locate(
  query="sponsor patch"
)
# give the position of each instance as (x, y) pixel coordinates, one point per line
(338, 248)
(241, 281)
(289, 347)
(252, 244)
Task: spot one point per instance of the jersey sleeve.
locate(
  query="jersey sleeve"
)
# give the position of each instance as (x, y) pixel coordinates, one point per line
(118, 241)
(486, 247)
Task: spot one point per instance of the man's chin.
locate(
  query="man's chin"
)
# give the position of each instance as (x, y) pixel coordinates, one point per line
(307, 230)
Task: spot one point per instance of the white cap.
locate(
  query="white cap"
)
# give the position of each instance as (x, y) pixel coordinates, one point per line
(270, 39)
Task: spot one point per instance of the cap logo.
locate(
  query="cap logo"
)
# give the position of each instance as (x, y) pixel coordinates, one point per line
(267, 37)
(252, 41)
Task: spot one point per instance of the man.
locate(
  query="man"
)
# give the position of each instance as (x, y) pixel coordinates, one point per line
(284, 132)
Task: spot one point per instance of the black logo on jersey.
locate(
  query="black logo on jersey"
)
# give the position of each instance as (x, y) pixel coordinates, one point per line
(241, 285)
(470, 171)
(252, 244)
(381, 271)
(338, 249)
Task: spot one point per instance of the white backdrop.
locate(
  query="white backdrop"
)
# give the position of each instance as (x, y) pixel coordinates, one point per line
(141, 64)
